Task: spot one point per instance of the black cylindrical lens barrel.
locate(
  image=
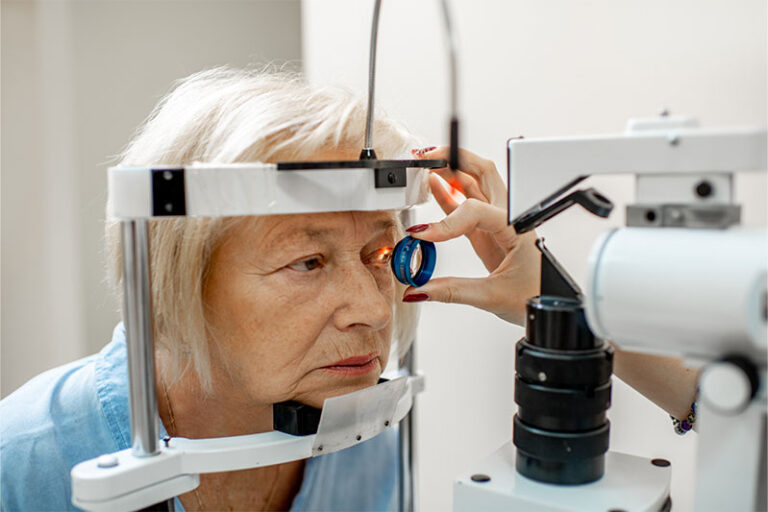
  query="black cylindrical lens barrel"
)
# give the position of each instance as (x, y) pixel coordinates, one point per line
(564, 458)
(558, 323)
(563, 390)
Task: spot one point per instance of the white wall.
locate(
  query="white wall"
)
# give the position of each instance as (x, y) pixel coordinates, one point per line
(543, 68)
(77, 79)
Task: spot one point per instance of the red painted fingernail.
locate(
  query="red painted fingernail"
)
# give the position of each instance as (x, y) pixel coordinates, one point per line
(421, 151)
(416, 297)
(418, 228)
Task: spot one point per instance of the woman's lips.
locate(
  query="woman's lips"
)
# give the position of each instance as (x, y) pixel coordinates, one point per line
(357, 365)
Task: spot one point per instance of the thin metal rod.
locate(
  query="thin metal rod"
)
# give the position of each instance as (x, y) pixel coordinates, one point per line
(452, 59)
(137, 316)
(453, 154)
(407, 435)
(372, 76)
(407, 427)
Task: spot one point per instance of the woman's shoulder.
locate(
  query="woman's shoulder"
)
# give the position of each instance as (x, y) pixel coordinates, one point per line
(363, 477)
(48, 425)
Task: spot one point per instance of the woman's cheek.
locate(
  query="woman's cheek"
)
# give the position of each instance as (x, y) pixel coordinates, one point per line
(385, 281)
(298, 287)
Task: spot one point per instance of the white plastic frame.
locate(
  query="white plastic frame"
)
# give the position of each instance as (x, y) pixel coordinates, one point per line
(261, 189)
(537, 167)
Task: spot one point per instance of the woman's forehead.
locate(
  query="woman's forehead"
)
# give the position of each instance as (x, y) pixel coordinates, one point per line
(326, 225)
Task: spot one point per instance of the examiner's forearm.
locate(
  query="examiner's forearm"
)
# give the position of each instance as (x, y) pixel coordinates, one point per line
(663, 380)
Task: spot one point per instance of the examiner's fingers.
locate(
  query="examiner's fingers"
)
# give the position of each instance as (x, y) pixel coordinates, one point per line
(456, 290)
(482, 169)
(483, 243)
(470, 215)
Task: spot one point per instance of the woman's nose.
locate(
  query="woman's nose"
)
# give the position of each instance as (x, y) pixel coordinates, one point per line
(361, 301)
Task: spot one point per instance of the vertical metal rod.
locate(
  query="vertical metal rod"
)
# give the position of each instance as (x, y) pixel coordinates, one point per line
(372, 76)
(137, 316)
(453, 80)
(453, 77)
(407, 433)
(407, 427)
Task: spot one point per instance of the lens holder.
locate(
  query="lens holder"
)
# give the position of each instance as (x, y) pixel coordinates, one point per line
(403, 255)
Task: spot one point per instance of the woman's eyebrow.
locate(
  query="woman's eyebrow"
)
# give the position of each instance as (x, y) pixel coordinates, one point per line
(320, 232)
(385, 225)
(290, 236)
(313, 232)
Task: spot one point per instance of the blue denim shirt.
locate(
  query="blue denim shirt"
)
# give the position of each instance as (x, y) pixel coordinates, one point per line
(80, 410)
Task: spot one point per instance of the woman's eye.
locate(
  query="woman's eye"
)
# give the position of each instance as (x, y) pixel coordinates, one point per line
(307, 265)
(380, 257)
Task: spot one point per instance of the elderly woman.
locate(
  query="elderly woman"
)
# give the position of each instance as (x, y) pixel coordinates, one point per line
(248, 312)
(258, 310)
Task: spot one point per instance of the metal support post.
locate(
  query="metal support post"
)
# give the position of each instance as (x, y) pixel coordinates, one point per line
(407, 426)
(407, 436)
(137, 316)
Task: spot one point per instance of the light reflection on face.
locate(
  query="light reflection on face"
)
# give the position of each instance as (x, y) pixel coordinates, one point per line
(288, 296)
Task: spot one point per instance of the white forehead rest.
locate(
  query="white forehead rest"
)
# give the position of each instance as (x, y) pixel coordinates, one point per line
(218, 190)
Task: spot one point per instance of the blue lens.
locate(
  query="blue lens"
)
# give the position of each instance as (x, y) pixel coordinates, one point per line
(403, 257)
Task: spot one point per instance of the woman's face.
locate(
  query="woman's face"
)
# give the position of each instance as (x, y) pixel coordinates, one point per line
(301, 305)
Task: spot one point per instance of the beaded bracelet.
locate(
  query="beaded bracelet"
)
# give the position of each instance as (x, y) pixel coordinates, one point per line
(682, 427)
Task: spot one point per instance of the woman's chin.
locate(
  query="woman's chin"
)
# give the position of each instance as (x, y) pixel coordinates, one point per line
(337, 384)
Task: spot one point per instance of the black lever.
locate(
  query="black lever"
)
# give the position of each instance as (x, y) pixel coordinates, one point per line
(555, 280)
(590, 199)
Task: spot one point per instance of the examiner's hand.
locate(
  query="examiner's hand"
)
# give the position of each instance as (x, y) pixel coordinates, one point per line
(513, 260)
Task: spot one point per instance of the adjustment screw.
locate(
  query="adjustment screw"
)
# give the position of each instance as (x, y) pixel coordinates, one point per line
(704, 189)
(386, 423)
(481, 478)
(107, 461)
(320, 448)
(167, 175)
(169, 207)
(166, 440)
(391, 178)
(542, 376)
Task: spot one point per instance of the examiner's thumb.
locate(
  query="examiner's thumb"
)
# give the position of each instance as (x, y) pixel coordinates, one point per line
(456, 290)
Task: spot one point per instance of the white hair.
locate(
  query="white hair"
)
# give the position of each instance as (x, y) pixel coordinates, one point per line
(227, 115)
